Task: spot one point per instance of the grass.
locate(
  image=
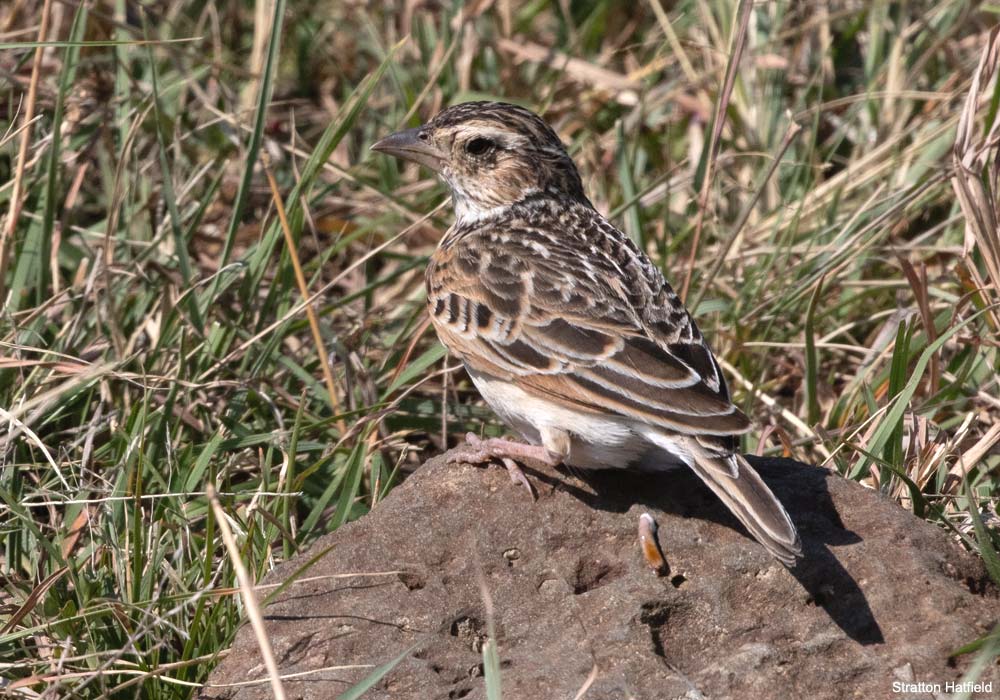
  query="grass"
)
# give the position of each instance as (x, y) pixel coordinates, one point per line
(155, 344)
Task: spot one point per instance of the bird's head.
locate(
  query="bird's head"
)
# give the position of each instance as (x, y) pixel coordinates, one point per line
(491, 155)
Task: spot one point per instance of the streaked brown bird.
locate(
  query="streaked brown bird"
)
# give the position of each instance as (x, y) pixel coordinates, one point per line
(568, 330)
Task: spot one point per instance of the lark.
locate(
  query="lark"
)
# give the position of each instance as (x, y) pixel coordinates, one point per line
(568, 330)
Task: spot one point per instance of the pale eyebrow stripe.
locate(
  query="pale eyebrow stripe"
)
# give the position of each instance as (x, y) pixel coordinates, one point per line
(486, 130)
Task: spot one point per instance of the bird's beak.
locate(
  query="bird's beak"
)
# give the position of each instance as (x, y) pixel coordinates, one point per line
(409, 145)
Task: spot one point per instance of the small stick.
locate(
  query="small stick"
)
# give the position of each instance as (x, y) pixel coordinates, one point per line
(650, 545)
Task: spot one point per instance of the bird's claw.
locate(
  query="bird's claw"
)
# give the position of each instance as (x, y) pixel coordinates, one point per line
(518, 477)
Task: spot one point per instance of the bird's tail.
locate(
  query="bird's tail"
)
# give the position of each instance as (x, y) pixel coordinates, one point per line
(743, 491)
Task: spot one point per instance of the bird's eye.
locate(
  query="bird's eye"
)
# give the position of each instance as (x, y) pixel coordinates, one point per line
(477, 147)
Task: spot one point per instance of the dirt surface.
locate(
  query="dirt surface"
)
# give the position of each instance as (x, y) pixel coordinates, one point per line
(881, 597)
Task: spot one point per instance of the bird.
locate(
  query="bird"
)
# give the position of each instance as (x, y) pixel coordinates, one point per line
(568, 330)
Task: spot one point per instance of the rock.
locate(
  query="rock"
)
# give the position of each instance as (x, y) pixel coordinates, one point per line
(881, 596)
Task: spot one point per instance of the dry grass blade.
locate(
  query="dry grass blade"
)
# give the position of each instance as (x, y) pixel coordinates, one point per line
(291, 676)
(587, 683)
(14, 212)
(16, 427)
(977, 172)
(249, 598)
(262, 11)
(720, 257)
(32, 600)
(801, 427)
(417, 335)
(918, 283)
(622, 87)
(300, 280)
(974, 455)
(722, 105)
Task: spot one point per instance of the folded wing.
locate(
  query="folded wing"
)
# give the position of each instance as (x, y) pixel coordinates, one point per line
(544, 318)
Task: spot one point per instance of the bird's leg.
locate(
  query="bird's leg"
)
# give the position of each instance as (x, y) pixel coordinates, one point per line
(479, 451)
(476, 451)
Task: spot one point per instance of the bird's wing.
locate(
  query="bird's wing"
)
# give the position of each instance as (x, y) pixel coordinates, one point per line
(576, 314)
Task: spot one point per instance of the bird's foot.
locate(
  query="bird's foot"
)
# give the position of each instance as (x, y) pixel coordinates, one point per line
(479, 451)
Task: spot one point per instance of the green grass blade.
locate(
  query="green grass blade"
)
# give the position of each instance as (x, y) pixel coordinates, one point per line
(328, 142)
(170, 198)
(812, 358)
(253, 146)
(66, 79)
(491, 670)
(893, 417)
(984, 538)
(416, 368)
(380, 672)
(196, 477)
(893, 451)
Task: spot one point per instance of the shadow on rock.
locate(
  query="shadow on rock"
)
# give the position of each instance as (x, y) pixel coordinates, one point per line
(801, 488)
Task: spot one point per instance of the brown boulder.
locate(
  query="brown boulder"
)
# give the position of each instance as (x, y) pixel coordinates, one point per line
(881, 596)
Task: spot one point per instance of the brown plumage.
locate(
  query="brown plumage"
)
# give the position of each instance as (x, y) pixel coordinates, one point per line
(569, 331)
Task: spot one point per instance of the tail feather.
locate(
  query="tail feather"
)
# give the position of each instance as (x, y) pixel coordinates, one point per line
(739, 486)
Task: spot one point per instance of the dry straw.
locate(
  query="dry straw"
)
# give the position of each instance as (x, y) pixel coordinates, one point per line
(977, 173)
